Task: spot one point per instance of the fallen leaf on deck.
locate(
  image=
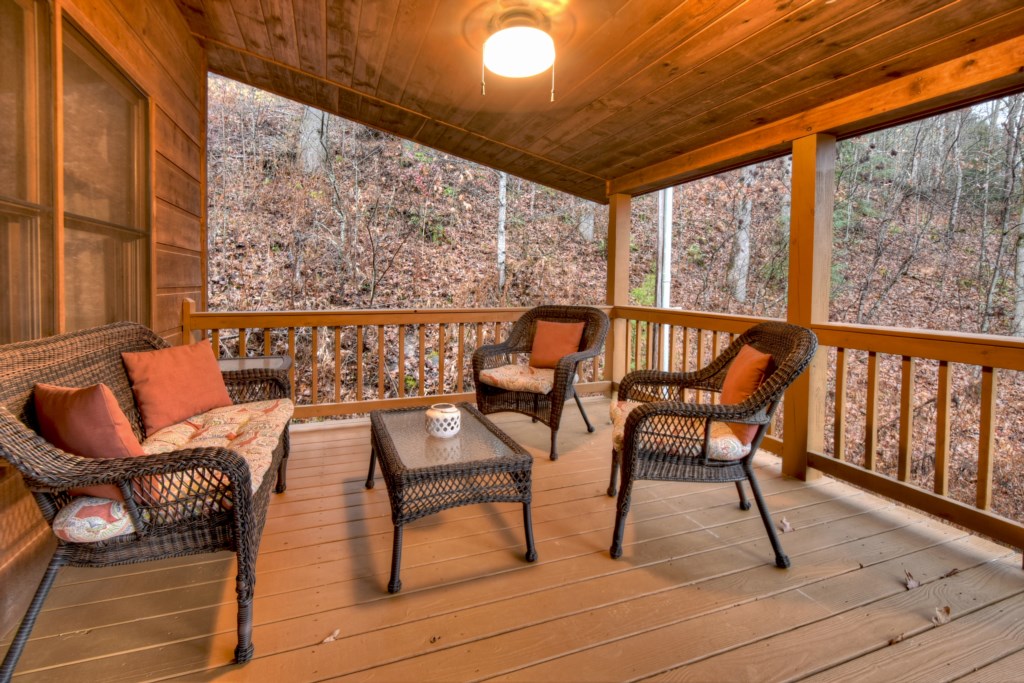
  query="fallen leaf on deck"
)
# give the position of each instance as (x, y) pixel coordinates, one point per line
(785, 526)
(941, 615)
(911, 581)
(893, 641)
(333, 637)
(952, 572)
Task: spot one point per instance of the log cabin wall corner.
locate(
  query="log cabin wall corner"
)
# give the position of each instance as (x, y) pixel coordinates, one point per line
(151, 45)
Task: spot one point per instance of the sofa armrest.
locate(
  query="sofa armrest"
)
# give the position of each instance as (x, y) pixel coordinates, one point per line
(246, 386)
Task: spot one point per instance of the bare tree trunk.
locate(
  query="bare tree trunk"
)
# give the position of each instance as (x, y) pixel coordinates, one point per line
(312, 156)
(1018, 280)
(958, 184)
(587, 221)
(739, 263)
(502, 207)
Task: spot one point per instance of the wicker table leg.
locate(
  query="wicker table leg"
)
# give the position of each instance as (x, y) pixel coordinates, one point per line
(531, 550)
(373, 463)
(395, 584)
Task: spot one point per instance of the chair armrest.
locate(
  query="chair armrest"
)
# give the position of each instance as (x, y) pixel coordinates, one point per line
(245, 386)
(494, 355)
(48, 470)
(645, 419)
(651, 385)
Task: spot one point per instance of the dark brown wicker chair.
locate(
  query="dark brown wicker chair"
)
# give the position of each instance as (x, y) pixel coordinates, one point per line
(216, 509)
(665, 440)
(546, 408)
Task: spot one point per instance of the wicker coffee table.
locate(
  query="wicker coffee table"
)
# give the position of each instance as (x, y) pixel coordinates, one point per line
(425, 474)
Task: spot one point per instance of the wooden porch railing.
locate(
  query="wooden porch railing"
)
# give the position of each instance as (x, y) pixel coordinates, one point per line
(366, 360)
(349, 362)
(696, 338)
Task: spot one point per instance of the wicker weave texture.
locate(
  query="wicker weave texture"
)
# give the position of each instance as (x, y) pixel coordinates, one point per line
(181, 503)
(546, 408)
(667, 439)
(420, 491)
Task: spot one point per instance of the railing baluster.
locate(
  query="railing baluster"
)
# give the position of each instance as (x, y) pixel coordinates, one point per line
(636, 346)
(986, 436)
(440, 358)
(291, 354)
(839, 425)
(671, 348)
(702, 360)
(314, 359)
(423, 360)
(906, 447)
(215, 342)
(715, 350)
(942, 404)
(242, 352)
(337, 365)
(359, 362)
(268, 346)
(871, 413)
(650, 346)
(461, 358)
(686, 350)
(381, 362)
(401, 361)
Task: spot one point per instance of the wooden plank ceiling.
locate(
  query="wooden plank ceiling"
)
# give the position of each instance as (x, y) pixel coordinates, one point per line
(638, 82)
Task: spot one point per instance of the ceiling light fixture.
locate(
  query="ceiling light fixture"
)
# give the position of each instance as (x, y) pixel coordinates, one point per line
(518, 47)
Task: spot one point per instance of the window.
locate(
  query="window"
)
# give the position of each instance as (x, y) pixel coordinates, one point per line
(105, 243)
(104, 228)
(26, 215)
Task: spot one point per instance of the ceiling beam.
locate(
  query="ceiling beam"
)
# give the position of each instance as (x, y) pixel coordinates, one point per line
(981, 75)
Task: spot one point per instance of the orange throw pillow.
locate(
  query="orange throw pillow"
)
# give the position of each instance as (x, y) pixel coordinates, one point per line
(174, 384)
(746, 373)
(87, 422)
(554, 341)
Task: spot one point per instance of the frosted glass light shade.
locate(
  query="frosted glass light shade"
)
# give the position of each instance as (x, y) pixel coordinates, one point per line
(519, 51)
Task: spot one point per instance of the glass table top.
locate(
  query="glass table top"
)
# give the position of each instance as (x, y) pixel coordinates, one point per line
(416, 449)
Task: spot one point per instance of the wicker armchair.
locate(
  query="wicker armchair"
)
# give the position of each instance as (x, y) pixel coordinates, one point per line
(666, 439)
(546, 407)
(205, 502)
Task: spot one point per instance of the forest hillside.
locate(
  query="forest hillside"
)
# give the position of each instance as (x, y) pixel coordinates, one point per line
(308, 211)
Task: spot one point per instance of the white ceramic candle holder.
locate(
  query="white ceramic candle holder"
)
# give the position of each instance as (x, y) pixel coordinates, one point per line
(443, 420)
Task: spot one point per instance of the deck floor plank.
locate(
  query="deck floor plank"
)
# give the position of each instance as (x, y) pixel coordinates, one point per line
(694, 597)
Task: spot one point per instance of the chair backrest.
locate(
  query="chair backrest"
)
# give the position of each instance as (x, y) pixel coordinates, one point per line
(594, 331)
(75, 359)
(791, 347)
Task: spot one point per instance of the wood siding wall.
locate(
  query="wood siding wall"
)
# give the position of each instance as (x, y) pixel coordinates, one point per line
(151, 44)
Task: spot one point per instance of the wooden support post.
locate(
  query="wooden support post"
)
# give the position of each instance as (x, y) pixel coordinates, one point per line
(618, 284)
(810, 263)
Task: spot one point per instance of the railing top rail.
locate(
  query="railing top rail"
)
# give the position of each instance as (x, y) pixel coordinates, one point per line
(957, 347)
(392, 316)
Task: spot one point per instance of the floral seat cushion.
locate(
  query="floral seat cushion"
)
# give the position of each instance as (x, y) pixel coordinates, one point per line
(87, 519)
(520, 378)
(250, 429)
(725, 446)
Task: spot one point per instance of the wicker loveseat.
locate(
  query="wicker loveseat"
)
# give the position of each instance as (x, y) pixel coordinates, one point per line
(182, 502)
